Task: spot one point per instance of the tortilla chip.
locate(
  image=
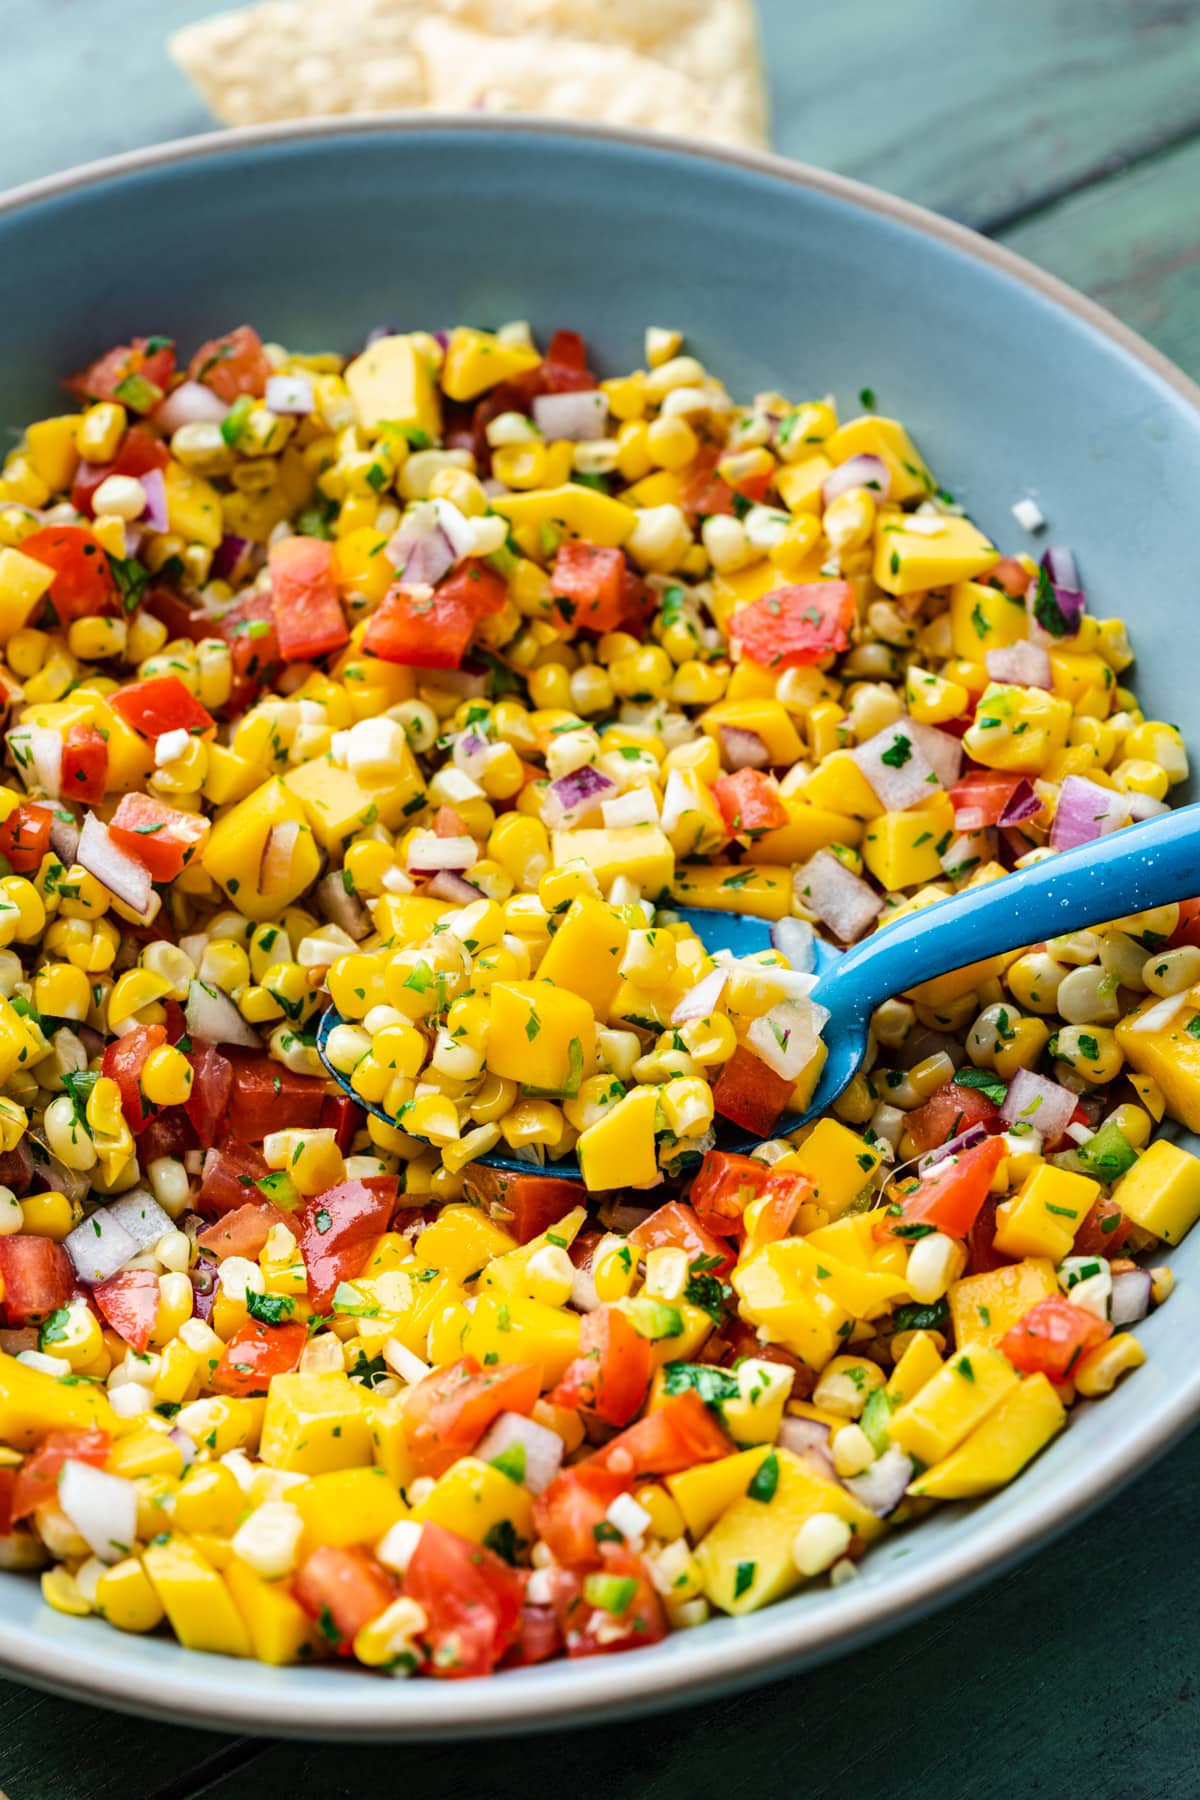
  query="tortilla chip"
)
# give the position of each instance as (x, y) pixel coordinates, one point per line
(290, 59)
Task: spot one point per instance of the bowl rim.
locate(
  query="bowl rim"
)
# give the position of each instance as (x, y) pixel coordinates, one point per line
(209, 1691)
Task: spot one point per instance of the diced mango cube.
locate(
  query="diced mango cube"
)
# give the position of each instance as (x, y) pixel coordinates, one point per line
(837, 1161)
(984, 1306)
(909, 558)
(481, 1503)
(958, 1398)
(1010, 1436)
(1161, 1192)
(1042, 1218)
(315, 1423)
(391, 384)
(540, 1035)
(195, 1598)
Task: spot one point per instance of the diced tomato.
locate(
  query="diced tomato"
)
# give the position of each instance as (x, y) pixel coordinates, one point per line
(83, 580)
(129, 1302)
(343, 1590)
(344, 1117)
(244, 1231)
(1010, 575)
(336, 1228)
(781, 1199)
(1187, 931)
(169, 1133)
(139, 454)
(1051, 1338)
(611, 1375)
(796, 625)
(948, 1199)
(123, 1062)
(525, 1205)
(589, 586)
(8, 1488)
(36, 1278)
(750, 803)
(623, 1613)
(232, 365)
(1104, 1230)
(267, 1097)
(309, 621)
(566, 353)
(433, 631)
(84, 765)
(163, 838)
(982, 1254)
(947, 1112)
(448, 1411)
(228, 1176)
(570, 1514)
(703, 493)
(680, 1432)
(249, 630)
(25, 836)
(161, 703)
(676, 1224)
(472, 1601)
(749, 1094)
(151, 359)
(985, 790)
(257, 1352)
(736, 1340)
(212, 1084)
(537, 1636)
(37, 1480)
(448, 823)
(639, 604)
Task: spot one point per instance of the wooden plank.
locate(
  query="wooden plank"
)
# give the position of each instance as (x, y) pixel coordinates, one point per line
(1133, 243)
(1019, 1690)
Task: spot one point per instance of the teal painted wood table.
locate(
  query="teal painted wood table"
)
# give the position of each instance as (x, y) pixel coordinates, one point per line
(1069, 129)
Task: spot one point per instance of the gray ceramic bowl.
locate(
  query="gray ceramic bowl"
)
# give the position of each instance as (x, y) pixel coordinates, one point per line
(781, 277)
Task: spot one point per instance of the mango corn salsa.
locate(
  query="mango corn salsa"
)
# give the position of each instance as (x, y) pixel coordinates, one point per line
(408, 695)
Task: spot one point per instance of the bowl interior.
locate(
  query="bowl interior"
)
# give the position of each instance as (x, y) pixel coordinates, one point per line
(780, 279)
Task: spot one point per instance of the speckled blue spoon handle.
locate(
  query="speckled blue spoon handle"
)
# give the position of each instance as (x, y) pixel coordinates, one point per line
(1140, 866)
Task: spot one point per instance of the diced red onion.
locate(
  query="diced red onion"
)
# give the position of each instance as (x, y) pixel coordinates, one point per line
(974, 1134)
(37, 750)
(1145, 806)
(883, 1486)
(1024, 664)
(967, 851)
(447, 885)
(342, 908)
(742, 749)
(430, 539)
(100, 1247)
(382, 331)
(139, 1213)
(229, 556)
(572, 797)
(212, 1018)
(808, 1439)
(636, 807)
(1033, 1100)
(122, 874)
(970, 818)
(897, 767)
(1059, 569)
(103, 1508)
(786, 1038)
(796, 940)
(279, 849)
(577, 418)
(191, 403)
(1079, 1133)
(203, 1277)
(1059, 564)
(1023, 805)
(838, 897)
(289, 394)
(1086, 812)
(155, 488)
(426, 855)
(864, 471)
(543, 1448)
(700, 1002)
(941, 749)
(470, 753)
(1131, 1294)
(187, 1446)
(133, 538)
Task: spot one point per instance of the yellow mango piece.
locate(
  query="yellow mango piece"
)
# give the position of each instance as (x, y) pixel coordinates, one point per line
(837, 1161)
(931, 699)
(703, 1493)
(391, 384)
(902, 848)
(1084, 680)
(33, 1402)
(193, 506)
(361, 567)
(511, 1271)
(145, 1451)
(476, 361)
(389, 1440)
(230, 777)
(126, 1598)
(315, 1423)
(618, 1150)
(909, 559)
(983, 1307)
(199, 1606)
(873, 435)
(460, 1241)
(23, 581)
(279, 1629)
(585, 953)
(481, 1503)
(235, 853)
(52, 451)
(768, 718)
(406, 919)
(569, 510)
(919, 1364)
(1017, 729)
(642, 852)
(958, 1398)
(809, 828)
(839, 786)
(19, 1048)
(1161, 1192)
(762, 889)
(346, 1506)
(336, 805)
(513, 1328)
(984, 618)
(732, 590)
(1043, 1216)
(1026, 1419)
(746, 1557)
(539, 1035)
(799, 484)
(778, 1293)
(1169, 1057)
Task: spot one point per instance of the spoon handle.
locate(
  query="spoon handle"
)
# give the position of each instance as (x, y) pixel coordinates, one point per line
(1141, 866)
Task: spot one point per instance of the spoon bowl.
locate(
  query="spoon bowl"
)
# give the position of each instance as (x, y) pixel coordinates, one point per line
(1141, 866)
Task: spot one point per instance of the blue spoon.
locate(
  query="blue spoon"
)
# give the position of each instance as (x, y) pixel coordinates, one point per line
(1142, 866)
